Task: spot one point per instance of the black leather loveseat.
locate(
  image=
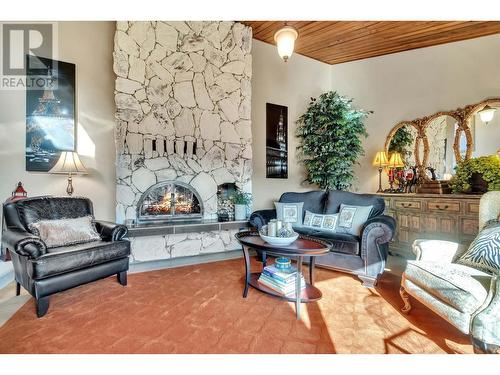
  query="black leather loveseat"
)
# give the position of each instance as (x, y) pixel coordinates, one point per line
(44, 271)
(364, 256)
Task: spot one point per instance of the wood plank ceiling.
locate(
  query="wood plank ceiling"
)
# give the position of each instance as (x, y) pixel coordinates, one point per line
(343, 41)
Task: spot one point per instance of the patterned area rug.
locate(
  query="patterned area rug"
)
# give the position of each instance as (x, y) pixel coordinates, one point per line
(200, 309)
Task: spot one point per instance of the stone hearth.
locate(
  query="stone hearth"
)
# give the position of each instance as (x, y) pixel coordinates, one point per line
(183, 99)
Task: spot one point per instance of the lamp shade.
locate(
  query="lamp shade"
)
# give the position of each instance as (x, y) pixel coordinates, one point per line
(380, 159)
(396, 161)
(69, 162)
(285, 41)
(487, 113)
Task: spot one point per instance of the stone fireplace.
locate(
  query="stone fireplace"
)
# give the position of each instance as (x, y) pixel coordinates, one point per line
(169, 201)
(183, 99)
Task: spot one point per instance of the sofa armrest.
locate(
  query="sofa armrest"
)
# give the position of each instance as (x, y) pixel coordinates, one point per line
(375, 236)
(260, 218)
(111, 231)
(437, 250)
(484, 324)
(385, 224)
(23, 243)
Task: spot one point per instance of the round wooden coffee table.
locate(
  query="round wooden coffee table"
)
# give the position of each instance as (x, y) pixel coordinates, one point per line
(303, 247)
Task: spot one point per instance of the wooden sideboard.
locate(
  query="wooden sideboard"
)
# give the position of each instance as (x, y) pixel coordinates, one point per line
(453, 217)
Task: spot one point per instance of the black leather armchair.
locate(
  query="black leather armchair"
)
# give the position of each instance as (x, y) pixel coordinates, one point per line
(364, 255)
(44, 271)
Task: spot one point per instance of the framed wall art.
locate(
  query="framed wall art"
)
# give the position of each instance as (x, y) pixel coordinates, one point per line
(276, 141)
(50, 112)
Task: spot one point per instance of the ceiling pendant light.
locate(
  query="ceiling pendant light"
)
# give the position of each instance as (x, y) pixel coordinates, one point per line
(285, 41)
(486, 114)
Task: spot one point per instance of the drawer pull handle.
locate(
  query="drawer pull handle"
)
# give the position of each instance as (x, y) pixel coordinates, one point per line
(406, 205)
(441, 208)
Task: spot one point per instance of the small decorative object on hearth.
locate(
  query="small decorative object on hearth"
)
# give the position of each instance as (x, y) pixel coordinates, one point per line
(69, 163)
(241, 201)
(285, 41)
(380, 161)
(223, 215)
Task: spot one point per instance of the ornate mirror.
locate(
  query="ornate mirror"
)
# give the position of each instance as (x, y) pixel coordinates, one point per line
(404, 138)
(441, 131)
(442, 140)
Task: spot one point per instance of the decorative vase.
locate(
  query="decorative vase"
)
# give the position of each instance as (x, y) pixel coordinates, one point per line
(478, 184)
(240, 212)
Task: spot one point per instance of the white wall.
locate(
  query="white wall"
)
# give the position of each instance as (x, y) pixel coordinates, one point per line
(397, 87)
(411, 84)
(89, 45)
(291, 84)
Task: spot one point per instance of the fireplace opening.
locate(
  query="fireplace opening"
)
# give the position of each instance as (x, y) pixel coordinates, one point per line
(169, 201)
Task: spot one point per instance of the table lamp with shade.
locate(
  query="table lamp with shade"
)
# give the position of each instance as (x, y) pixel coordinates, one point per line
(380, 161)
(395, 161)
(69, 163)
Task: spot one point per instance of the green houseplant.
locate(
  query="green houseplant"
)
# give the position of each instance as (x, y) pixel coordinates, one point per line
(329, 133)
(241, 200)
(485, 167)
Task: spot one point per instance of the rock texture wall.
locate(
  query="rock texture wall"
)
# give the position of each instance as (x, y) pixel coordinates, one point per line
(183, 98)
(150, 248)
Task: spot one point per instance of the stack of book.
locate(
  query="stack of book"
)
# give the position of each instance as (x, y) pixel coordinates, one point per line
(281, 281)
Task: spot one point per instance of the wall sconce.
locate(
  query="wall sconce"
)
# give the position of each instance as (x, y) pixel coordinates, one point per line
(285, 41)
(486, 114)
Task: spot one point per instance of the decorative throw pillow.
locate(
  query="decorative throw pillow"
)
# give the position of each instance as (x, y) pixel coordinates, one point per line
(64, 232)
(352, 218)
(325, 222)
(289, 212)
(484, 252)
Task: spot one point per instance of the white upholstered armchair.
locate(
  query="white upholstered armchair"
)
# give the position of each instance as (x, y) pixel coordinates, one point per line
(466, 297)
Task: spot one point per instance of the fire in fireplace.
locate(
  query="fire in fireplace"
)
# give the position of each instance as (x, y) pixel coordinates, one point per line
(169, 201)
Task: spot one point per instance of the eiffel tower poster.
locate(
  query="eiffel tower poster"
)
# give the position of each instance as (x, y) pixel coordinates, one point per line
(50, 112)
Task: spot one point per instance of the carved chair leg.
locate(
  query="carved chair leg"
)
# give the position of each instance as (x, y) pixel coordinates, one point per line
(406, 299)
(42, 306)
(122, 278)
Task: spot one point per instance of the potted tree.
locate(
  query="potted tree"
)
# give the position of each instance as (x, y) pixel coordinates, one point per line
(241, 201)
(329, 133)
(477, 175)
